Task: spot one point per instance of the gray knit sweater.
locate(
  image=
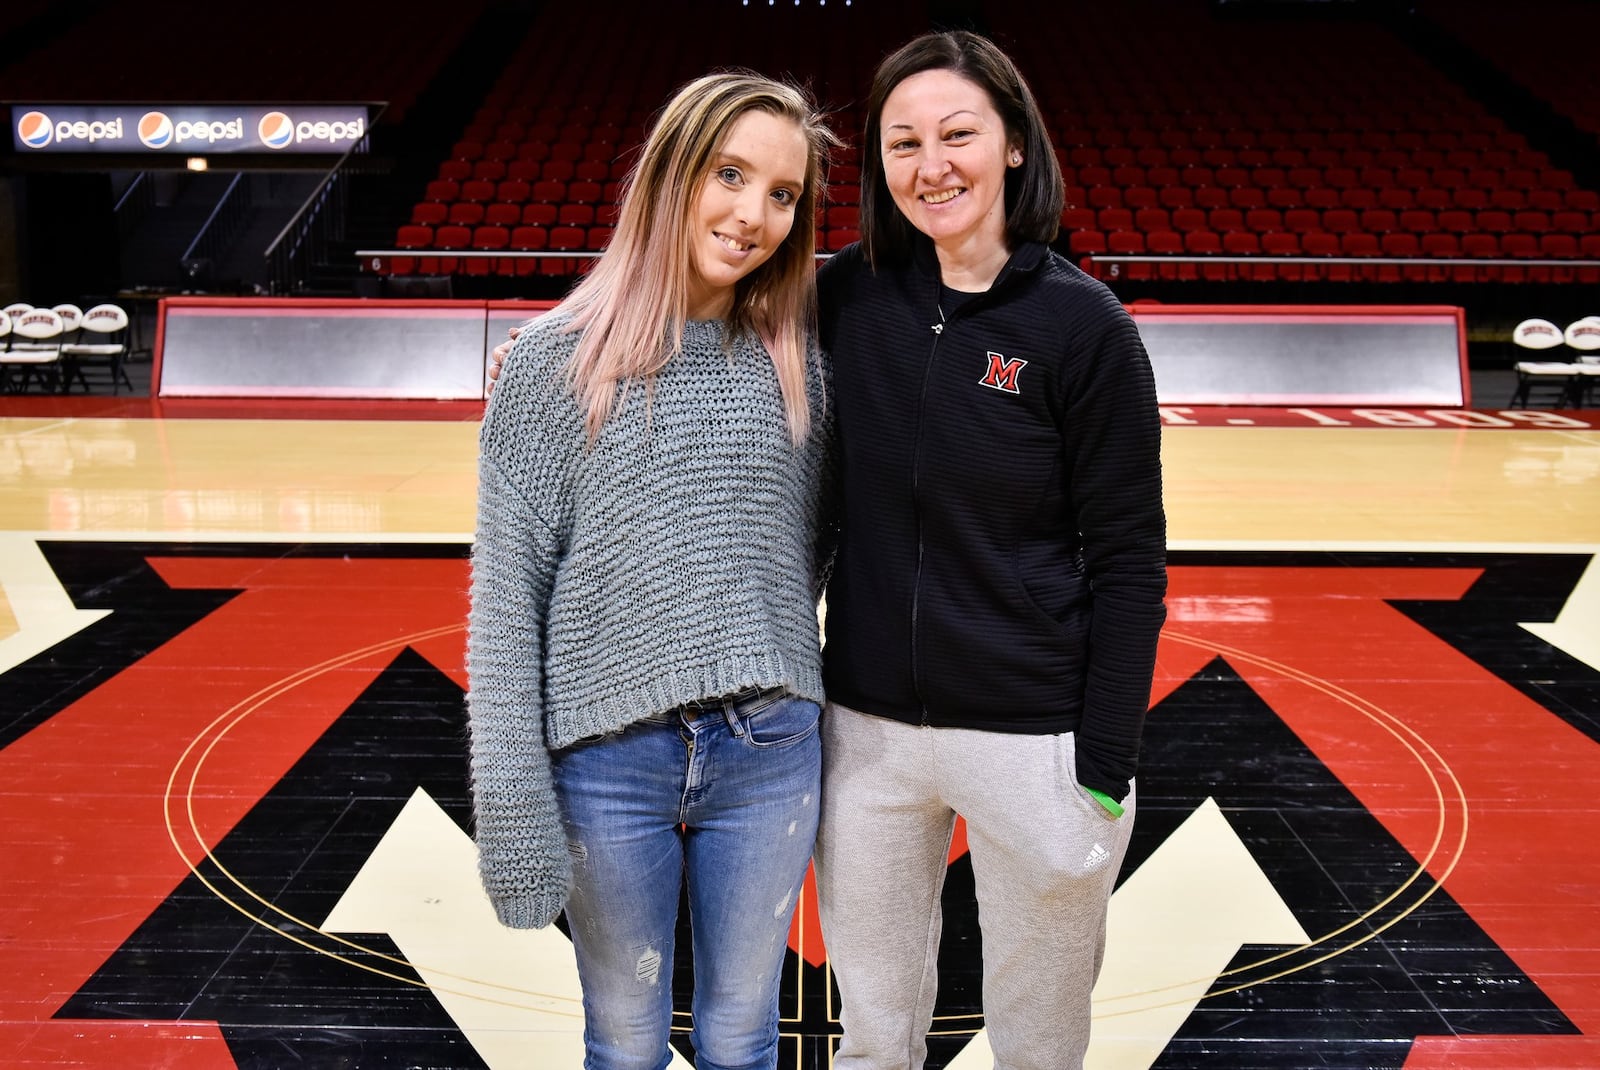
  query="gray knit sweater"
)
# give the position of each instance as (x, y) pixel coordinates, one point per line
(676, 559)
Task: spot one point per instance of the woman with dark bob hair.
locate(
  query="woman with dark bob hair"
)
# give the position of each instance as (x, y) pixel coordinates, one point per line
(998, 589)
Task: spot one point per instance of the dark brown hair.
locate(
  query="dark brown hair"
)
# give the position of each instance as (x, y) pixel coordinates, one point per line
(1033, 190)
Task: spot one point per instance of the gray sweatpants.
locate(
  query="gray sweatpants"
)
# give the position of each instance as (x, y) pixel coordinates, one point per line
(1045, 856)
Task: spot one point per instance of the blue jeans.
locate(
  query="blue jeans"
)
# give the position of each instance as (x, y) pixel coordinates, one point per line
(727, 795)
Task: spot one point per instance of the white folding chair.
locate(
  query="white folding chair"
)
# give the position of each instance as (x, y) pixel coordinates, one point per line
(1584, 336)
(105, 355)
(1542, 381)
(5, 345)
(35, 349)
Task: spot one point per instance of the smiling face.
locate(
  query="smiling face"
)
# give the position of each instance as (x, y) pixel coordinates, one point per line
(945, 155)
(745, 207)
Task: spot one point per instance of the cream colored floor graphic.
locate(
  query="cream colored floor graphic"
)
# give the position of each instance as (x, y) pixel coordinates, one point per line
(1577, 629)
(39, 611)
(513, 993)
(1174, 925)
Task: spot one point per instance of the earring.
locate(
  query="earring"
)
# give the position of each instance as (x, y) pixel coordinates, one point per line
(1016, 159)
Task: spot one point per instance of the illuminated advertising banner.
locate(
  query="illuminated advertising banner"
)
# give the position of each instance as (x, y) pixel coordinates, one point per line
(187, 129)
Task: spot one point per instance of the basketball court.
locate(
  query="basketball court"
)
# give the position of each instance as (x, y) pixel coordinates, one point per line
(232, 752)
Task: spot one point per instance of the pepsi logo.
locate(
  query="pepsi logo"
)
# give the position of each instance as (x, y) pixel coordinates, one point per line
(276, 130)
(155, 130)
(34, 129)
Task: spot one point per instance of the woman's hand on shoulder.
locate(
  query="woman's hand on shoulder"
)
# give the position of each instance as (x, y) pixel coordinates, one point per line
(500, 353)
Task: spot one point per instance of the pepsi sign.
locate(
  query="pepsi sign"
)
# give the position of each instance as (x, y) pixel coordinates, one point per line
(188, 129)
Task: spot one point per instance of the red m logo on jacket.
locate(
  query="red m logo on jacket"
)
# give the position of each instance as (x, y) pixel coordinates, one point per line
(1002, 373)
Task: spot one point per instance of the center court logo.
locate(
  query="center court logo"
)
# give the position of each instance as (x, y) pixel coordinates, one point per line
(34, 129)
(155, 130)
(275, 129)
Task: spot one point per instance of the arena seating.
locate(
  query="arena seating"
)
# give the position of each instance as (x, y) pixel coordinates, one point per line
(1180, 132)
(1334, 132)
(1550, 53)
(1195, 136)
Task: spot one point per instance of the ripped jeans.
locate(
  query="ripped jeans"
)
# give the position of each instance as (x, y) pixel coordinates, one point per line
(727, 796)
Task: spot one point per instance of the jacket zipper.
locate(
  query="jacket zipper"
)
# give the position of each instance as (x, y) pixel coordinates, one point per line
(916, 501)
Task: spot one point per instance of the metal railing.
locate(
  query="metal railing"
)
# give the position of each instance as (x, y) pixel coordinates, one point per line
(1115, 260)
(371, 259)
(134, 204)
(366, 257)
(216, 234)
(320, 220)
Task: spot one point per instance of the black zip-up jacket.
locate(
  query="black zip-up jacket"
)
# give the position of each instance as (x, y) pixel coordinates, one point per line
(1002, 555)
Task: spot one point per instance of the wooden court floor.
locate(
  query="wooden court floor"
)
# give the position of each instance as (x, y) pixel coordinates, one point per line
(232, 770)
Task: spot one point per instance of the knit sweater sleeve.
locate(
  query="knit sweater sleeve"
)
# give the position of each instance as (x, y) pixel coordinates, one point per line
(827, 489)
(522, 849)
(1114, 439)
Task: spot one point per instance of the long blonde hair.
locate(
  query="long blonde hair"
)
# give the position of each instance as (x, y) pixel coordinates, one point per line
(632, 306)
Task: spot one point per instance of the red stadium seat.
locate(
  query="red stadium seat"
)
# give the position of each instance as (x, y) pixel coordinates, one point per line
(848, 215)
(1397, 198)
(563, 238)
(1077, 219)
(1379, 221)
(1479, 247)
(1137, 197)
(1518, 246)
(1246, 198)
(1225, 220)
(539, 214)
(1418, 221)
(442, 189)
(1207, 243)
(1114, 219)
(1175, 197)
(466, 213)
(1152, 219)
(549, 191)
(1243, 243)
(1169, 243)
(1085, 242)
(502, 215)
(575, 215)
(1321, 243)
(429, 213)
(1359, 243)
(528, 239)
(1282, 243)
(1130, 243)
(513, 190)
(1264, 220)
(1358, 198)
(838, 237)
(1494, 221)
(1302, 220)
(1565, 222)
(1563, 247)
(1531, 221)
(487, 239)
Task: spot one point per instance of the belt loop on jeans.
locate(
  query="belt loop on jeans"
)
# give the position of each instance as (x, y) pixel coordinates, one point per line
(731, 715)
